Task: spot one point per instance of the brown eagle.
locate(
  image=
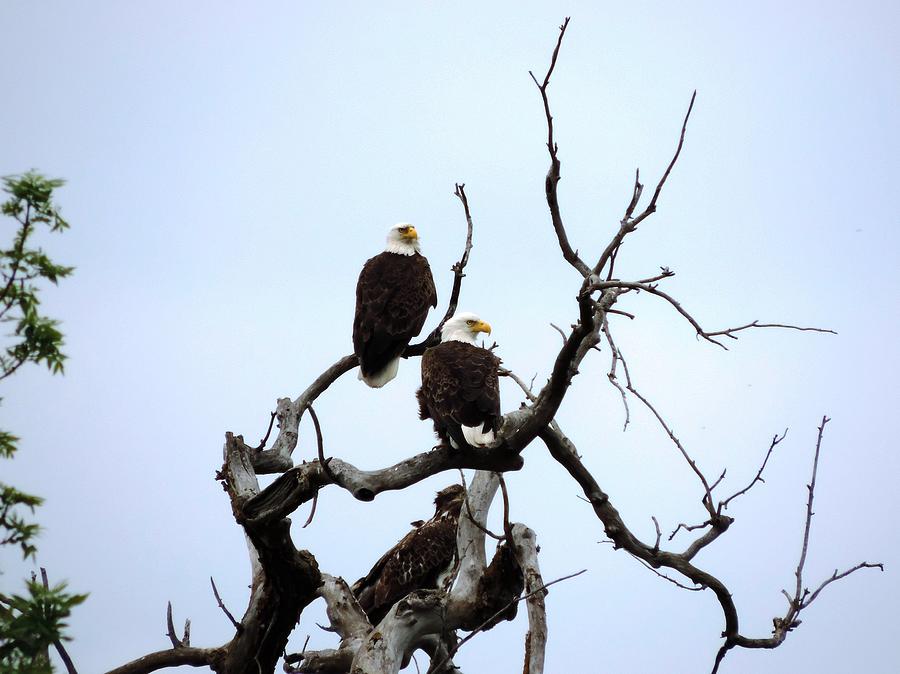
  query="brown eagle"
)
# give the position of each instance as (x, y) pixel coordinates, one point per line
(424, 559)
(460, 388)
(394, 291)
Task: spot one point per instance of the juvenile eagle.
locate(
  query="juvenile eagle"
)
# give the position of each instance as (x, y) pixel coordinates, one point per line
(460, 389)
(424, 559)
(394, 291)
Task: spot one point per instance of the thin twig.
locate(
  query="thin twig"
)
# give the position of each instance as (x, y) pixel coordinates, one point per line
(458, 269)
(490, 620)
(320, 446)
(692, 527)
(668, 578)
(237, 626)
(707, 498)
(526, 389)
(651, 207)
(756, 324)
(837, 576)
(653, 290)
(811, 488)
(718, 481)
(628, 223)
(559, 330)
(471, 515)
(617, 356)
(758, 478)
(553, 175)
(262, 443)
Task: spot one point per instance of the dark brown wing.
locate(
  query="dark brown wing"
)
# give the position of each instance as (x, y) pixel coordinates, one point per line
(414, 563)
(393, 295)
(460, 385)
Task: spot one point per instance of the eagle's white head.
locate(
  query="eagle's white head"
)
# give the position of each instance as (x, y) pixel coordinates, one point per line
(463, 327)
(402, 239)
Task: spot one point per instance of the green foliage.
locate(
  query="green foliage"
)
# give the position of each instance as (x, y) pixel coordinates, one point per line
(29, 625)
(35, 338)
(16, 531)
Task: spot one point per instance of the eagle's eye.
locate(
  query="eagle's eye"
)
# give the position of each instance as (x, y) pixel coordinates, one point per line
(470, 322)
(404, 230)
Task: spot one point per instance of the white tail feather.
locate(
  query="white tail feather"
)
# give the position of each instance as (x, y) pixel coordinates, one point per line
(476, 437)
(382, 377)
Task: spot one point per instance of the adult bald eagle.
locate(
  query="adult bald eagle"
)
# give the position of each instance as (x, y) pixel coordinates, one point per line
(394, 291)
(460, 388)
(424, 559)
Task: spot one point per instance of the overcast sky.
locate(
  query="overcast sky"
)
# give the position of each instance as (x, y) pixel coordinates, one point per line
(231, 166)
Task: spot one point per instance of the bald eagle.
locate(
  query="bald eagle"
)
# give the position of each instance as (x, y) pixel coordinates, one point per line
(460, 389)
(394, 291)
(424, 559)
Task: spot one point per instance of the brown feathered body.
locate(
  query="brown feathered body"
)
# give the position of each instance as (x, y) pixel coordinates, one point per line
(423, 559)
(460, 392)
(393, 295)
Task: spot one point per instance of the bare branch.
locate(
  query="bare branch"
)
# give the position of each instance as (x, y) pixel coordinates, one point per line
(288, 414)
(499, 613)
(262, 443)
(802, 596)
(174, 657)
(320, 446)
(526, 389)
(692, 527)
(668, 578)
(312, 511)
(559, 330)
(758, 478)
(526, 549)
(756, 324)
(707, 498)
(653, 290)
(458, 269)
(811, 488)
(617, 356)
(718, 481)
(553, 175)
(651, 207)
(170, 628)
(237, 626)
(837, 576)
(628, 224)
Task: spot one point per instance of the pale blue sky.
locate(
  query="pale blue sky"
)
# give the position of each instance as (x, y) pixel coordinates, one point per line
(230, 168)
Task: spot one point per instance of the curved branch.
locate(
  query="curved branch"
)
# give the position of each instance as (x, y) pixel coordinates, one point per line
(458, 269)
(298, 485)
(173, 657)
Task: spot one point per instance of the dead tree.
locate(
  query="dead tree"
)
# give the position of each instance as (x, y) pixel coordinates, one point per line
(286, 580)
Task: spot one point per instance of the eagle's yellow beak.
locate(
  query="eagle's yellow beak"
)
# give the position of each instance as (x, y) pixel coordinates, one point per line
(410, 234)
(481, 326)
